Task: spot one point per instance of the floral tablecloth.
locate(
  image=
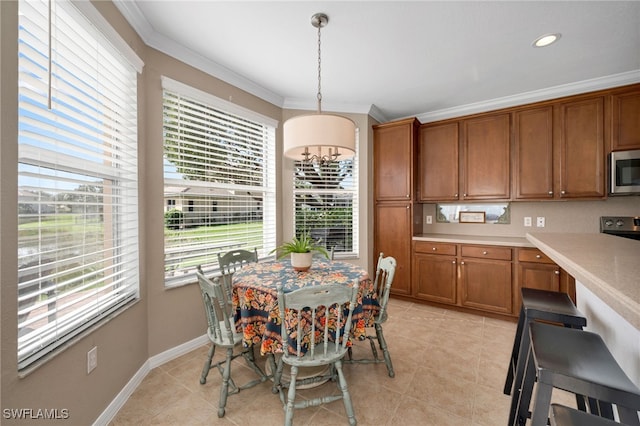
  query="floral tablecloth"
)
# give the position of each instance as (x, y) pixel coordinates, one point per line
(256, 305)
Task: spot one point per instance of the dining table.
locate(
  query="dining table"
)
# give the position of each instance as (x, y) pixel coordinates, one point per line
(255, 302)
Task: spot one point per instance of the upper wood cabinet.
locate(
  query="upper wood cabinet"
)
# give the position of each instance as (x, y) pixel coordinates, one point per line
(486, 158)
(625, 120)
(395, 159)
(533, 153)
(579, 132)
(438, 162)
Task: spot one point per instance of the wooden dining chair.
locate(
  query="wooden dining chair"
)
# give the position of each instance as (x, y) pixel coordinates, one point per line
(233, 260)
(222, 333)
(385, 270)
(321, 313)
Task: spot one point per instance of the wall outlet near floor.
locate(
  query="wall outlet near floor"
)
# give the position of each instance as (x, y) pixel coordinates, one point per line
(428, 219)
(540, 222)
(527, 221)
(92, 359)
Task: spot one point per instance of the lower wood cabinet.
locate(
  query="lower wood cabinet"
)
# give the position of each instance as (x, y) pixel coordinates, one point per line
(482, 278)
(486, 279)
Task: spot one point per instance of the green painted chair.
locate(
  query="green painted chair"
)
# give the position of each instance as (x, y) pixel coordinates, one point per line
(222, 333)
(233, 260)
(331, 302)
(385, 271)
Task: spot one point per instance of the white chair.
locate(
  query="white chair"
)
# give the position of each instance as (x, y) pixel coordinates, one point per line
(222, 333)
(385, 271)
(323, 311)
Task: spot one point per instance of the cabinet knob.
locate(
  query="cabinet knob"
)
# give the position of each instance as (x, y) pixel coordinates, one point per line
(563, 192)
(485, 252)
(407, 195)
(453, 261)
(455, 195)
(464, 195)
(462, 263)
(538, 256)
(550, 192)
(434, 248)
(407, 207)
(556, 272)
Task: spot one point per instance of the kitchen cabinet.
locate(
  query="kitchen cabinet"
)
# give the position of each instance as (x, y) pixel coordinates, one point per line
(579, 132)
(533, 153)
(486, 278)
(625, 119)
(535, 270)
(395, 211)
(392, 226)
(486, 158)
(395, 160)
(435, 269)
(438, 162)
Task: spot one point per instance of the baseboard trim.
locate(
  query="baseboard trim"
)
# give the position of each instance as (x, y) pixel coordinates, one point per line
(155, 361)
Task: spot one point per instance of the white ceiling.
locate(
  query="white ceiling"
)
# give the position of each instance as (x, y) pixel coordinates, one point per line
(395, 59)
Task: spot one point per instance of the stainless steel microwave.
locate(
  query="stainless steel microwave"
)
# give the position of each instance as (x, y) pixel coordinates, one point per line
(624, 172)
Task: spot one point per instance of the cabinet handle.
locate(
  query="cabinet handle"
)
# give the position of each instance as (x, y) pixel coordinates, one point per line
(485, 252)
(538, 256)
(556, 272)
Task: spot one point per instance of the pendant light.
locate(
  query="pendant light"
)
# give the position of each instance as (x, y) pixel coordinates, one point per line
(319, 138)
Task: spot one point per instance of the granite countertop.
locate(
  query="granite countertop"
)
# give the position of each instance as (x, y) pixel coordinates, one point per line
(609, 266)
(475, 239)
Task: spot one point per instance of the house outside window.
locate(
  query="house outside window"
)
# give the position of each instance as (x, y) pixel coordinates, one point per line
(326, 204)
(219, 167)
(77, 176)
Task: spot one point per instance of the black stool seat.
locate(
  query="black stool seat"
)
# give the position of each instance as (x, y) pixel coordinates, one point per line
(565, 416)
(537, 305)
(575, 361)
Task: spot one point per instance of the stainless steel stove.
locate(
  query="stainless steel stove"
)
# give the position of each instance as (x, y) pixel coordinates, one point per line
(621, 226)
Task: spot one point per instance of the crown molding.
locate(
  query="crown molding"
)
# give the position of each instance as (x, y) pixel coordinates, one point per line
(554, 92)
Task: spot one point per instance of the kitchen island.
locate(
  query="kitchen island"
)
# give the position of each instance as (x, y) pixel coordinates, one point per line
(607, 273)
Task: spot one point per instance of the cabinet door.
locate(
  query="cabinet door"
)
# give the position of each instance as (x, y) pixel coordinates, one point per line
(625, 121)
(582, 157)
(533, 156)
(486, 285)
(434, 278)
(393, 238)
(486, 153)
(393, 160)
(438, 162)
(540, 276)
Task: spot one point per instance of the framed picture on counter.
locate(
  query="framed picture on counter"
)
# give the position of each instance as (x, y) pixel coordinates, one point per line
(472, 217)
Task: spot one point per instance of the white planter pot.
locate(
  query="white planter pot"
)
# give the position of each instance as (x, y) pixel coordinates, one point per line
(301, 261)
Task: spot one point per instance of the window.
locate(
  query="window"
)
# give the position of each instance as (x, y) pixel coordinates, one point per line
(219, 166)
(77, 177)
(326, 204)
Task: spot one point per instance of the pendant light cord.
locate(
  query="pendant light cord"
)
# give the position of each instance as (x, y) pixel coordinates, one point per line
(319, 96)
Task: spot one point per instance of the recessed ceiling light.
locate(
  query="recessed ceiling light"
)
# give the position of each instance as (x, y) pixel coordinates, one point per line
(546, 40)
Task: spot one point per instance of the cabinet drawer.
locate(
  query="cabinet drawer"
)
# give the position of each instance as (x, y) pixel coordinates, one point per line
(435, 248)
(533, 255)
(487, 252)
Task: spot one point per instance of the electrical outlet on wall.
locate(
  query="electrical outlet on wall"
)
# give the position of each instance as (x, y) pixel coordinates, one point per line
(428, 219)
(540, 222)
(92, 359)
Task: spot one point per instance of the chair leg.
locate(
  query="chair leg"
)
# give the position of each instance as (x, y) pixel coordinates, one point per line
(277, 377)
(515, 352)
(540, 413)
(346, 397)
(522, 394)
(291, 396)
(385, 350)
(207, 364)
(224, 389)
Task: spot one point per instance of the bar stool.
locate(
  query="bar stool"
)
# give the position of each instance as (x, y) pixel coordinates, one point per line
(575, 361)
(565, 416)
(541, 305)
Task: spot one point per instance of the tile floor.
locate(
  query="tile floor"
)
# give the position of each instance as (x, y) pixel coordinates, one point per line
(450, 369)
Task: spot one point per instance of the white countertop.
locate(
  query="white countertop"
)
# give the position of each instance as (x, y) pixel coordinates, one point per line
(607, 265)
(475, 239)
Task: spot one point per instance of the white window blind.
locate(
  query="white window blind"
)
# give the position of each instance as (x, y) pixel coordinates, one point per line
(326, 204)
(77, 178)
(219, 182)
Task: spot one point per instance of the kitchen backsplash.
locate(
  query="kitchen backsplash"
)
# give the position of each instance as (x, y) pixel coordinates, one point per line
(559, 216)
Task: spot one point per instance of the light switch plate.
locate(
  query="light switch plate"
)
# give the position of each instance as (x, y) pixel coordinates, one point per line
(527, 221)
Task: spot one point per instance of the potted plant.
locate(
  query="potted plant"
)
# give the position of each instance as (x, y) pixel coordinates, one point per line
(301, 250)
